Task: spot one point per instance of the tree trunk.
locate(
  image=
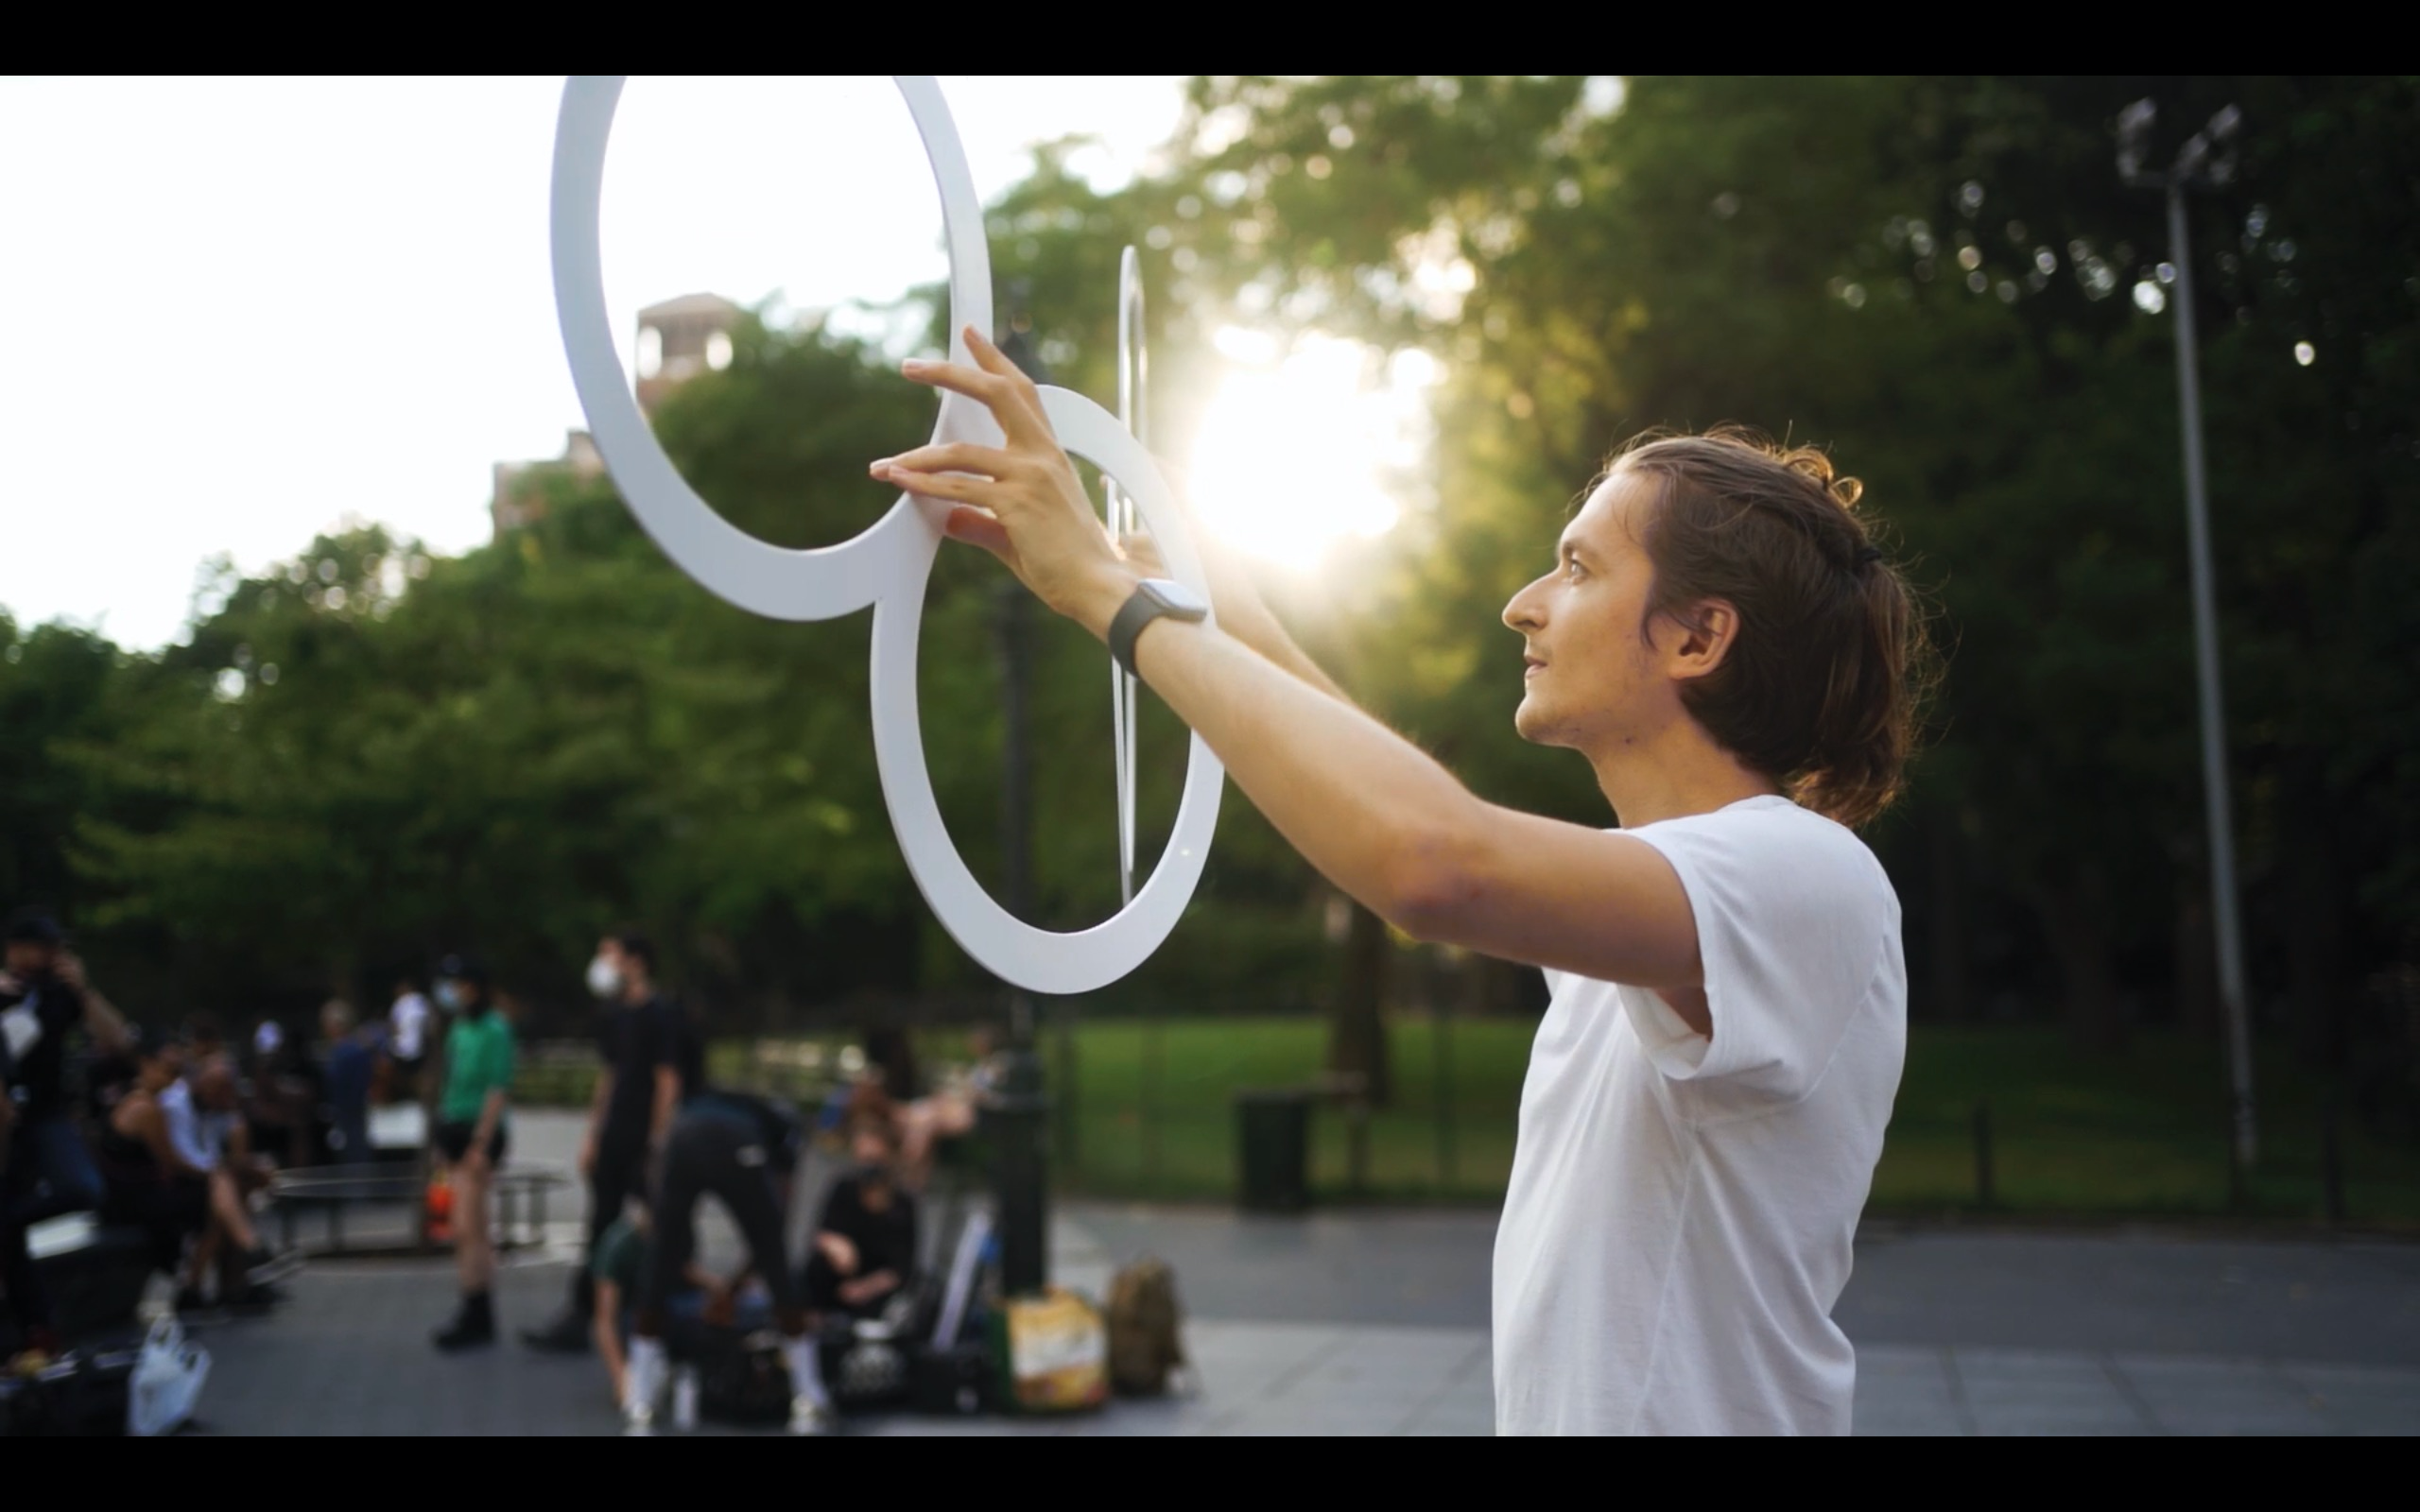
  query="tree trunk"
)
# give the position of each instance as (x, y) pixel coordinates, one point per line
(1357, 1039)
(2071, 916)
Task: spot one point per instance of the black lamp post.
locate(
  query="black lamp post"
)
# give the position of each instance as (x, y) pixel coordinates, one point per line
(1018, 1113)
(2207, 160)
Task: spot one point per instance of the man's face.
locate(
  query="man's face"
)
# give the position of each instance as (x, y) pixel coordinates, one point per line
(31, 959)
(214, 1088)
(1590, 676)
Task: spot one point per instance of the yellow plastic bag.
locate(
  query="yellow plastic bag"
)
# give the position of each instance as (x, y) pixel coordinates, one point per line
(1053, 1352)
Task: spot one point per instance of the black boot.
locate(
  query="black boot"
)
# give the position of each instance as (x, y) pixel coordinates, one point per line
(473, 1326)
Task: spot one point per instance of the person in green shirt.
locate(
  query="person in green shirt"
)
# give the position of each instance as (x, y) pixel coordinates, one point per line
(471, 1133)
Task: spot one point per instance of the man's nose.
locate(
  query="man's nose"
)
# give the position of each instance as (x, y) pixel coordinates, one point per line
(1522, 613)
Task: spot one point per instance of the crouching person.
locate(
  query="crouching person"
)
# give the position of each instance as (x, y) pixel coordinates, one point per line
(744, 1151)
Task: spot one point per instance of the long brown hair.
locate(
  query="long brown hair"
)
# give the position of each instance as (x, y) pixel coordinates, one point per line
(1820, 687)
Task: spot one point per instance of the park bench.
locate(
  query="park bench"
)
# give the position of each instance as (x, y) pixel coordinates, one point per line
(337, 1192)
(96, 1272)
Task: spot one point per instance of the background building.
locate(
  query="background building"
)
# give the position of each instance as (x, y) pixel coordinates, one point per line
(678, 340)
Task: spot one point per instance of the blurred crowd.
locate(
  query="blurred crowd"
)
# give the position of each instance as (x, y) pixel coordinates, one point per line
(166, 1135)
(179, 1137)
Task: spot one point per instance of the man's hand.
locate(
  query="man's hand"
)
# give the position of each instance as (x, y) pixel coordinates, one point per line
(1021, 502)
(71, 969)
(720, 1307)
(838, 1250)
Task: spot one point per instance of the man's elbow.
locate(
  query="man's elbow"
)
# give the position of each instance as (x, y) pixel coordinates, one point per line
(1431, 886)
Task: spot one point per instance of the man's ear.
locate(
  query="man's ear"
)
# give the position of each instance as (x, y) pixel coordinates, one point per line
(1695, 646)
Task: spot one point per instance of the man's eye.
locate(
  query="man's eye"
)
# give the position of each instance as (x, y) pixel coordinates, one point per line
(1573, 569)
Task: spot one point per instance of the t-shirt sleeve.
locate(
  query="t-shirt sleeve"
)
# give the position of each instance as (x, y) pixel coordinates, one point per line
(500, 1058)
(1792, 917)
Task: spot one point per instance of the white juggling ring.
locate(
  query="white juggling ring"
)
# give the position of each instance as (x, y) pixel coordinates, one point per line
(888, 565)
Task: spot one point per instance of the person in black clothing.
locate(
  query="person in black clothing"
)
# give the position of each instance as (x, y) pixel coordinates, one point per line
(865, 1242)
(43, 996)
(642, 1039)
(742, 1150)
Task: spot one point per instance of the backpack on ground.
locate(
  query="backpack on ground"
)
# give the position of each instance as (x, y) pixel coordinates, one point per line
(1146, 1329)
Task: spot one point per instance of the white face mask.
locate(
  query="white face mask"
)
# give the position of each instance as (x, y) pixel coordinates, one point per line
(603, 980)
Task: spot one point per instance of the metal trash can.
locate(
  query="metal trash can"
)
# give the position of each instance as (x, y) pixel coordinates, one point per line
(1273, 1129)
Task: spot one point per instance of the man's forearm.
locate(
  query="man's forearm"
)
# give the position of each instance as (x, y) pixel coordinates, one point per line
(104, 1022)
(490, 1117)
(1366, 807)
(597, 1100)
(668, 1100)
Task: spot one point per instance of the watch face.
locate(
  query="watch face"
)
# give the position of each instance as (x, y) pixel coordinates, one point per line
(1175, 597)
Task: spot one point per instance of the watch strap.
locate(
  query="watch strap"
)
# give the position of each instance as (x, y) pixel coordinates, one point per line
(1141, 608)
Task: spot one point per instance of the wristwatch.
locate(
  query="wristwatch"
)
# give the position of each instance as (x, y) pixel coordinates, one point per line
(1154, 597)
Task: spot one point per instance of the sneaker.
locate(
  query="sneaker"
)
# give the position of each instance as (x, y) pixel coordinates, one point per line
(567, 1335)
(264, 1266)
(812, 1419)
(646, 1375)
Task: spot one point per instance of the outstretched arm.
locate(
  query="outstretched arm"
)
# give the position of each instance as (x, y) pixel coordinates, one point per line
(1370, 809)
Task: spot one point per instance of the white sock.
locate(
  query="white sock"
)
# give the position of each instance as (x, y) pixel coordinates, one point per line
(806, 1371)
(643, 1376)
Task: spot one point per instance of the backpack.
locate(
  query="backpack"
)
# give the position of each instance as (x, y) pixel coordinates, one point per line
(1146, 1329)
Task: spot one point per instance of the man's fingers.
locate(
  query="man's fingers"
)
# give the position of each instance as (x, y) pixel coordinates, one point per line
(996, 383)
(953, 457)
(957, 488)
(978, 527)
(993, 361)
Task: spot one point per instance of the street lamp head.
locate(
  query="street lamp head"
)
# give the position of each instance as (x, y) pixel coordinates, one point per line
(2221, 132)
(2134, 138)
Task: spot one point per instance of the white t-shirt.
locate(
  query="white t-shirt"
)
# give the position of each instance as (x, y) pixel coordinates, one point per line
(410, 1017)
(1682, 1207)
(199, 1137)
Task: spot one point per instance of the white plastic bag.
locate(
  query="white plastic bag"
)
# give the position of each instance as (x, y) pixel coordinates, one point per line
(168, 1380)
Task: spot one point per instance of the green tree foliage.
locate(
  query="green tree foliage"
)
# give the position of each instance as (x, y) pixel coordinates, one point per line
(367, 756)
(1935, 276)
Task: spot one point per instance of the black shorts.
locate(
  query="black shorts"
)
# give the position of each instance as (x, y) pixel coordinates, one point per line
(454, 1140)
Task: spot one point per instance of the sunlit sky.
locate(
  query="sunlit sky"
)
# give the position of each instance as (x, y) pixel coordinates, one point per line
(241, 310)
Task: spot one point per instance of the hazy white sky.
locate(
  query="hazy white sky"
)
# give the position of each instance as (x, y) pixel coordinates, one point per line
(240, 309)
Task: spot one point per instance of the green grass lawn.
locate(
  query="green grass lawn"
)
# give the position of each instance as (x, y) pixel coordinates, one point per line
(2138, 1133)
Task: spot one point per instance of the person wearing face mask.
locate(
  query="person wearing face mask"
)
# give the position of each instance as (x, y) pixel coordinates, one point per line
(641, 1039)
(472, 1133)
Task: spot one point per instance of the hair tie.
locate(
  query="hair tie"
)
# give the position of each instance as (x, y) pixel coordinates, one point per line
(1868, 556)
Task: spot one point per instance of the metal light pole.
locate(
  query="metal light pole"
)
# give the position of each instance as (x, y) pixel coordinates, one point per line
(2208, 158)
(1019, 1111)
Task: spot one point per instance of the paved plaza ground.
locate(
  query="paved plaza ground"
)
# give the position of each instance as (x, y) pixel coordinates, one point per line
(1375, 1323)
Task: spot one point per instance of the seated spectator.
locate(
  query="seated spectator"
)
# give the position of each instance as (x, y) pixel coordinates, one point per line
(197, 1113)
(352, 1066)
(865, 1240)
(151, 1185)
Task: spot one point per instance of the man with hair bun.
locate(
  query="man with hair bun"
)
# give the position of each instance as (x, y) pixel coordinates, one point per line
(1722, 640)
